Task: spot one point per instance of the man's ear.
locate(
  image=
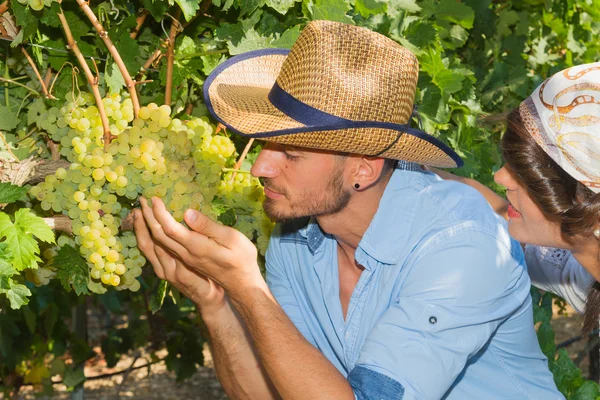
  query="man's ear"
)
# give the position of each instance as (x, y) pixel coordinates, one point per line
(366, 171)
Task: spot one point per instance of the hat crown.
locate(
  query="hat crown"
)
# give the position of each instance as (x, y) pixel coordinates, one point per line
(351, 72)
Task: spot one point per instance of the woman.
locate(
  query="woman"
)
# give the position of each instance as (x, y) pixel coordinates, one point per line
(551, 174)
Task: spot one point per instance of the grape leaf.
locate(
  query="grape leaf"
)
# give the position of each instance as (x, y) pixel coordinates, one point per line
(366, 8)
(395, 7)
(157, 8)
(17, 295)
(26, 20)
(188, 7)
(10, 193)
(22, 245)
(332, 10)
(31, 224)
(251, 41)
(113, 79)
(158, 296)
(50, 15)
(288, 38)
(281, 6)
(72, 270)
(9, 120)
(457, 12)
(249, 6)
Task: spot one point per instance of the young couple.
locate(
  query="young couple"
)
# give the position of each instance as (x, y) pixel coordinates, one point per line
(384, 281)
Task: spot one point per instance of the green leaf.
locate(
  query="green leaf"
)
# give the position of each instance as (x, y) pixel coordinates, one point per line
(288, 38)
(588, 390)
(50, 15)
(114, 80)
(395, 7)
(129, 51)
(158, 296)
(251, 41)
(26, 20)
(36, 108)
(457, 12)
(332, 10)
(366, 8)
(10, 193)
(157, 8)
(9, 120)
(281, 6)
(18, 295)
(189, 8)
(22, 245)
(545, 336)
(249, 6)
(30, 318)
(73, 376)
(31, 224)
(72, 270)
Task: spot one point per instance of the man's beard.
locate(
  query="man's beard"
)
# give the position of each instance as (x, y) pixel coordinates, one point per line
(310, 205)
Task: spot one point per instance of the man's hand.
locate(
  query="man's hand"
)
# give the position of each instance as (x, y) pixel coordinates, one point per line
(207, 295)
(218, 252)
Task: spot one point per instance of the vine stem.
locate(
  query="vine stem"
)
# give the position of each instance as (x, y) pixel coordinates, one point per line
(114, 53)
(3, 7)
(139, 21)
(171, 55)
(7, 146)
(37, 73)
(90, 77)
(20, 84)
(157, 53)
(239, 162)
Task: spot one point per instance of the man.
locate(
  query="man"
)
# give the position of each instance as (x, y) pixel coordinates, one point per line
(399, 286)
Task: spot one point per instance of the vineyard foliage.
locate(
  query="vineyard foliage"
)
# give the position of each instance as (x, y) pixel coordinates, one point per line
(73, 78)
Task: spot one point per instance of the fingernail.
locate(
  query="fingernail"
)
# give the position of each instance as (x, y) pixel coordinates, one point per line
(191, 215)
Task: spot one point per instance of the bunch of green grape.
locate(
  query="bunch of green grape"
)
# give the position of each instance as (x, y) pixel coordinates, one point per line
(36, 5)
(180, 162)
(245, 195)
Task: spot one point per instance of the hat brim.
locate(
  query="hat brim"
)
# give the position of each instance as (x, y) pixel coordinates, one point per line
(237, 95)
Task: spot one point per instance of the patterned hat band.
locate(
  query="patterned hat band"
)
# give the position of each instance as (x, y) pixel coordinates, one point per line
(563, 116)
(340, 88)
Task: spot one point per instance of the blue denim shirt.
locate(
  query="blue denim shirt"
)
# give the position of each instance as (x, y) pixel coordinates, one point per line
(441, 310)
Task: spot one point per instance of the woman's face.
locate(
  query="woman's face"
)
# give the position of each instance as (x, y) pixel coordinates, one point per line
(526, 222)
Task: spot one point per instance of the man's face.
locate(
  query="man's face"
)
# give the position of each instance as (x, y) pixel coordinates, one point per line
(301, 182)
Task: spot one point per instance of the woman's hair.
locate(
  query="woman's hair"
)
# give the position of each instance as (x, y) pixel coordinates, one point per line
(560, 196)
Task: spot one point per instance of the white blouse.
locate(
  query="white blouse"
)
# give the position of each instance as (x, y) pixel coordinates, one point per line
(557, 271)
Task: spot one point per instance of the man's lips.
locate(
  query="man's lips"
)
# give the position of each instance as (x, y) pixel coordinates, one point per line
(272, 194)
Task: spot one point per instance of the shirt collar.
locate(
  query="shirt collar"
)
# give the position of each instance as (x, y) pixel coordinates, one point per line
(382, 239)
(313, 234)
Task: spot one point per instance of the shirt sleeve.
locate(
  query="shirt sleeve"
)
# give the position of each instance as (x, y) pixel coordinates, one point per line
(455, 296)
(280, 285)
(557, 271)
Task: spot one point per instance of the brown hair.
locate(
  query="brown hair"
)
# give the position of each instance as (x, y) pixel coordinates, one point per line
(560, 196)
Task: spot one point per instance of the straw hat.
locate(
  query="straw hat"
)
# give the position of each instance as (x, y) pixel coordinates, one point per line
(563, 116)
(340, 88)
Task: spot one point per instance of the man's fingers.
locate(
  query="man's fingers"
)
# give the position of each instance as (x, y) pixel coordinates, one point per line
(145, 242)
(157, 230)
(168, 263)
(200, 223)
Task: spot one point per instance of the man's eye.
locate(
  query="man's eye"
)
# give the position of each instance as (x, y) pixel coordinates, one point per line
(290, 157)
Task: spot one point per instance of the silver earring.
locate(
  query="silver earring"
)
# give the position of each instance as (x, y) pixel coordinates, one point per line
(597, 232)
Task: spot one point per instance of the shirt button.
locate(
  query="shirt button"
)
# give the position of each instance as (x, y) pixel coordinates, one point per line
(347, 335)
(432, 320)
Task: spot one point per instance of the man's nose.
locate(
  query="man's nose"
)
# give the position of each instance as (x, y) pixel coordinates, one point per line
(265, 165)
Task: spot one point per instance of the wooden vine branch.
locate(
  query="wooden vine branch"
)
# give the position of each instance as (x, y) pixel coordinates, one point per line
(139, 21)
(3, 7)
(114, 53)
(64, 224)
(155, 56)
(239, 162)
(37, 73)
(175, 26)
(88, 73)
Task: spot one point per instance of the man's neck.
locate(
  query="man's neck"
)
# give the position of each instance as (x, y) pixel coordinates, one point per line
(349, 225)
